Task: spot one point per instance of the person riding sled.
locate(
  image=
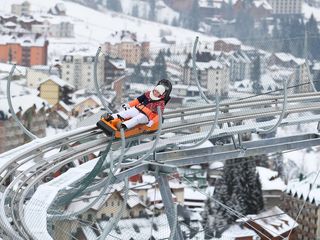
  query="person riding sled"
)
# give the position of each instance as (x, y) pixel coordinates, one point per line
(143, 109)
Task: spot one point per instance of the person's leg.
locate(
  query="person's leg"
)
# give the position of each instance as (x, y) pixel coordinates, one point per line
(126, 114)
(138, 119)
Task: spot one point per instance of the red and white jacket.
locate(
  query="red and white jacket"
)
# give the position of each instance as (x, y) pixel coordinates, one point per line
(148, 106)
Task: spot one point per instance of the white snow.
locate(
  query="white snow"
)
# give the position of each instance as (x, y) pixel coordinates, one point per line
(267, 181)
(303, 187)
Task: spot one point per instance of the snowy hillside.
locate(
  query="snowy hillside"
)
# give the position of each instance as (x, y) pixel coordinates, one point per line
(162, 11)
(92, 28)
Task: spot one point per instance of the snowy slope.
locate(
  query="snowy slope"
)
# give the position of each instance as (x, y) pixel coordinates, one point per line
(92, 28)
(163, 12)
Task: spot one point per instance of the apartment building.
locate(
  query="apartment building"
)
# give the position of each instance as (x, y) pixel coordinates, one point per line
(124, 45)
(38, 73)
(108, 207)
(22, 9)
(240, 65)
(53, 27)
(298, 66)
(114, 68)
(295, 197)
(313, 3)
(31, 111)
(213, 76)
(227, 45)
(286, 7)
(53, 89)
(26, 51)
(78, 69)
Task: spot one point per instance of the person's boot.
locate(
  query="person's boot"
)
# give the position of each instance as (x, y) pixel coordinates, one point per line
(123, 126)
(108, 117)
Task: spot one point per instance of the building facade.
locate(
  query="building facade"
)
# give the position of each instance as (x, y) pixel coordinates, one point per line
(58, 29)
(22, 9)
(213, 76)
(31, 112)
(300, 74)
(53, 89)
(286, 7)
(38, 73)
(295, 197)
(114, 68)
(26, 51)
(128, 48)
(78, 70)
(227, 45)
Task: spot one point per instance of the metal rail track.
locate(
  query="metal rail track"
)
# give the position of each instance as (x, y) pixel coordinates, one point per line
(23, 182)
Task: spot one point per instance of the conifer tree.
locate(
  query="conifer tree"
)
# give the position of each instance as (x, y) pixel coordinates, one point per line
(240, 189)
(152, 10)
(135, 11)
(114, 5)
(194, 16)
(159, 70)
(313, 37)
(256, 76)
(221, 216)
(175, 22)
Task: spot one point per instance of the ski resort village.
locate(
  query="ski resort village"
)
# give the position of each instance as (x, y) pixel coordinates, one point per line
(159, 119)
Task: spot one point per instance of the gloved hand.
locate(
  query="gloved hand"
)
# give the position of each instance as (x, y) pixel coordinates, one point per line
(150, 123)
(125, 106)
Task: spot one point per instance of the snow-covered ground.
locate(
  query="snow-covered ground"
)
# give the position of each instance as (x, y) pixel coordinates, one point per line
(308, 11)
(307, 160)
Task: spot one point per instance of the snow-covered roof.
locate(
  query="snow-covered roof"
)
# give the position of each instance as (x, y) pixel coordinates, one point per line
(316, 66)
(80, 100)
(270, 179)
(236, 231)
(118, 63)
(287, 57)
(175, 184)
(233, 41)
(192, 88)
(300, 189)
(262, 3)
(63, 115)
(216, 165)
(58, 81)
(275, 221)
(5, 67)
(65, 106)
(26, 41)
(193, 195)
(25, 102)
(10, 24)
(154, 195)
(125, 228)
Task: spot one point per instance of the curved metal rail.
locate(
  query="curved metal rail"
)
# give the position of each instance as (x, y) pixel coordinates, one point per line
(14, 115)
(96, 85)
(194, 70)
(284, 108)
(23, 183)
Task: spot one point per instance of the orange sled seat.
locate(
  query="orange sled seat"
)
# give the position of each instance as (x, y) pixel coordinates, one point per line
(112, 128)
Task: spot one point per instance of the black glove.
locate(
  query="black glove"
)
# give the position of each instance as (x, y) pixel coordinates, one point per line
(125, 106)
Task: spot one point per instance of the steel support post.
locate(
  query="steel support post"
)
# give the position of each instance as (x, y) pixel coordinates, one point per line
(169, 205)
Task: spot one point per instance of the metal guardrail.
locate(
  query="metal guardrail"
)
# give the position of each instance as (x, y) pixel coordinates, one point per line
(24, 182)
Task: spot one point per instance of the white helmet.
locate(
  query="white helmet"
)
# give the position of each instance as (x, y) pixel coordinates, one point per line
(160, 88)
